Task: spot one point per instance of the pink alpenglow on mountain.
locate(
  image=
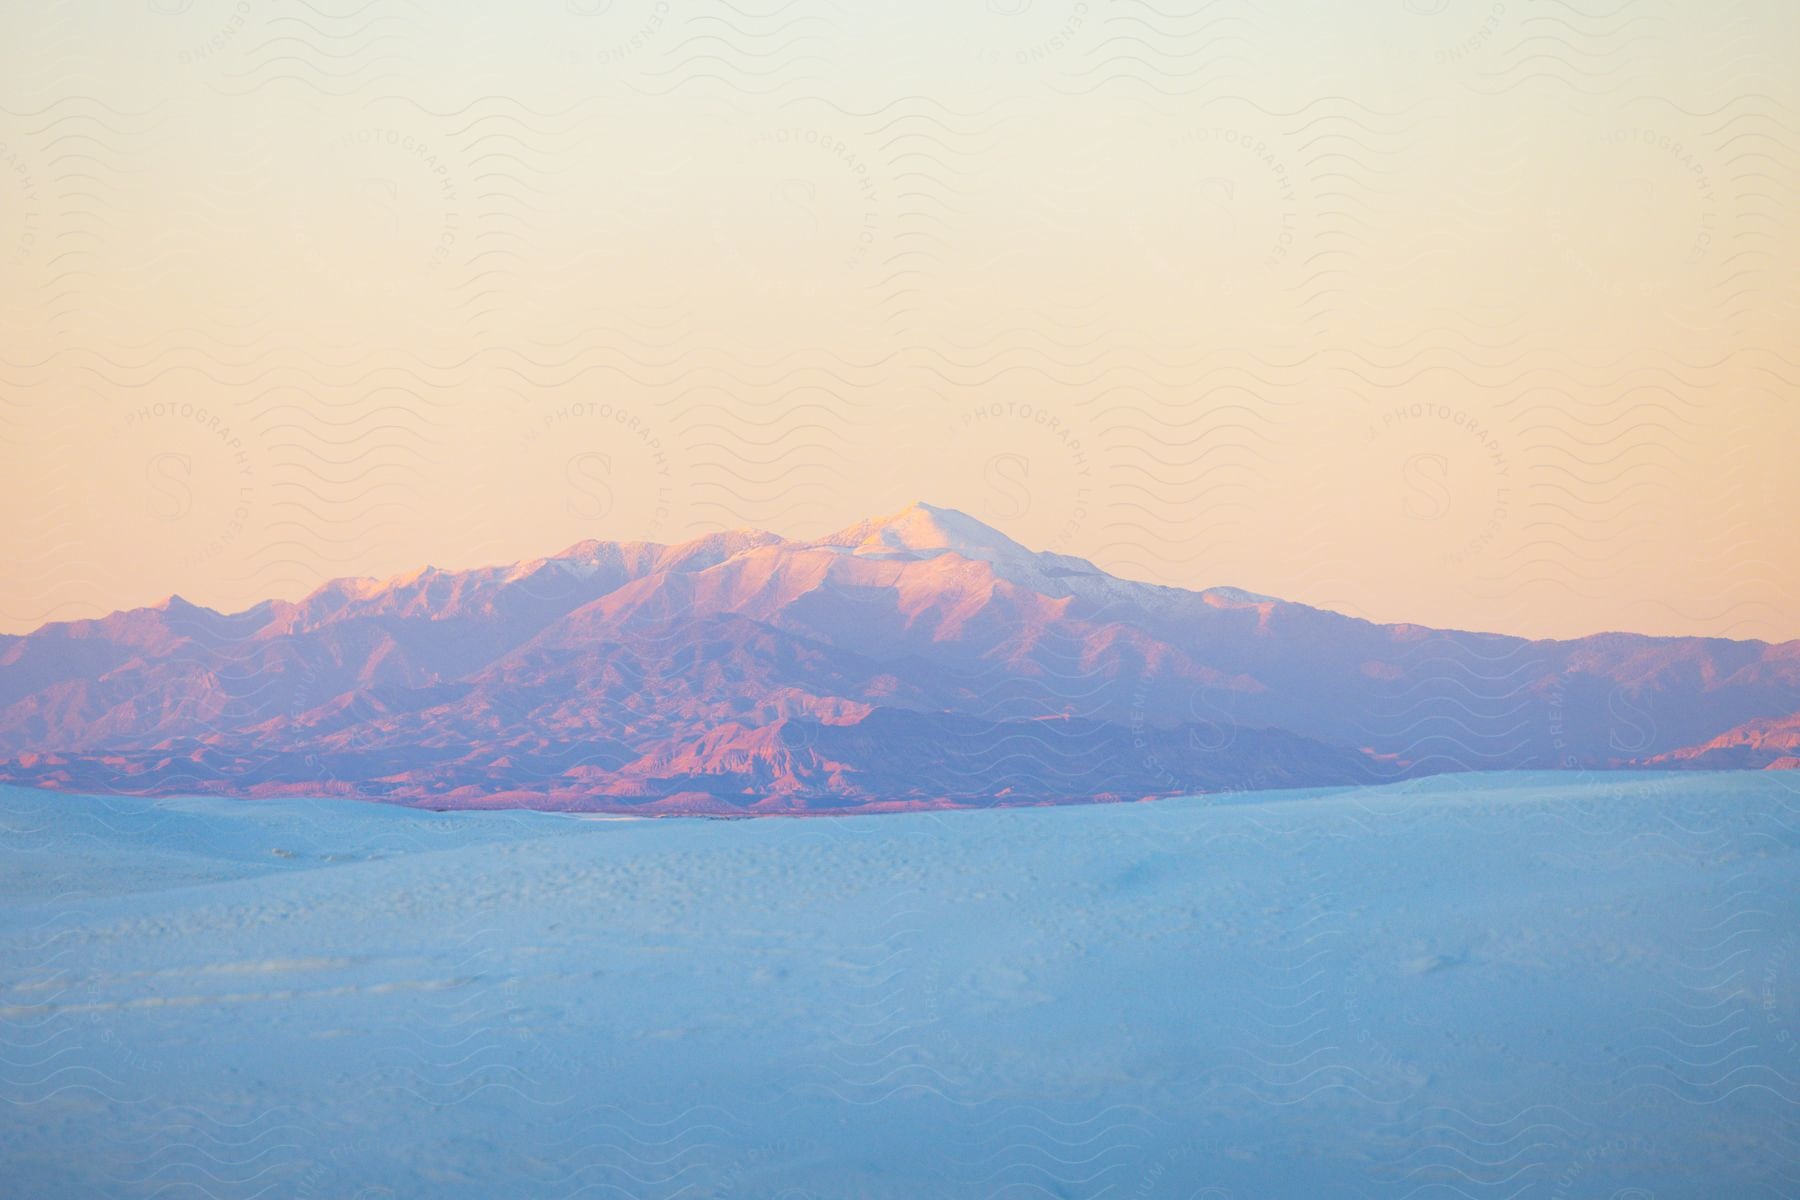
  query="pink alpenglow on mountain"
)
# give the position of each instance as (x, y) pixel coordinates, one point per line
(1768, 744)
(918, 660)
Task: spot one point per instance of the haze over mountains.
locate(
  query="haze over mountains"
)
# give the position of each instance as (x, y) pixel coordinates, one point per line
(916, 660)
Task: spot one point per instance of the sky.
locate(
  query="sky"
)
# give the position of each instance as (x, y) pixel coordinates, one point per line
(1472, 314)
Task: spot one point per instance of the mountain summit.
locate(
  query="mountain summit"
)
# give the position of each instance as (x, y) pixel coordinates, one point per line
(922, 530)
(918, 659)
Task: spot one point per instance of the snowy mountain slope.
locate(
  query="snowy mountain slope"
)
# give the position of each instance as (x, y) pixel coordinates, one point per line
(626, 674)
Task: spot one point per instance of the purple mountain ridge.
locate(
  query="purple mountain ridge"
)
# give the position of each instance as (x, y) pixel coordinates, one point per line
(917, 660)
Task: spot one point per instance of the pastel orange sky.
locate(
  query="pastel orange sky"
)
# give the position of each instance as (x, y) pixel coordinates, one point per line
(1471, 314)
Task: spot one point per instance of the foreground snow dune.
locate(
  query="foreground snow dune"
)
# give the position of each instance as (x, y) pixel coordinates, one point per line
(1471, 986)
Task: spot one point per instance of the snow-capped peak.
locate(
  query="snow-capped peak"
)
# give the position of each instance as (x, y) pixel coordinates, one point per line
(923, 530)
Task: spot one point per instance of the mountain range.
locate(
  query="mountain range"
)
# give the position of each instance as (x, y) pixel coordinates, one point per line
(921, 659)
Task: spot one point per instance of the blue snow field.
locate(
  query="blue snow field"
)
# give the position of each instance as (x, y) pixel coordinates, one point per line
(1478, 986)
